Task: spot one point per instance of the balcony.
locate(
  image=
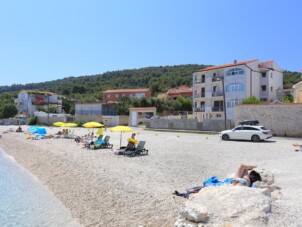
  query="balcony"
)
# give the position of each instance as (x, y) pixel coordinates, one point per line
(217, 93)
(199, 95)
(217, 78)
(200, 109)
(217, 109)
(199, 81)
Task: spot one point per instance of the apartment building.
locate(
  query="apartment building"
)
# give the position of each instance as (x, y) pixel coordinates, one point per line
(30, 101)
(217, 89)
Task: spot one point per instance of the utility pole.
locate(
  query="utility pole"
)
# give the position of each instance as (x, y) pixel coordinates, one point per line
(48, 111)
(224, 106)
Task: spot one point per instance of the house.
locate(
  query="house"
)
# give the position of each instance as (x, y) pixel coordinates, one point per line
(183, 91)
(297, 92)
(111, 97)
(217, 89)
(30, 101)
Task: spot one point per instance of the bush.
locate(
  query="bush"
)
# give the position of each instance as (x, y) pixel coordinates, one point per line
(33, 120)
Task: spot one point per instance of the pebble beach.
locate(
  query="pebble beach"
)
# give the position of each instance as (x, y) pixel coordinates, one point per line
(102, 189)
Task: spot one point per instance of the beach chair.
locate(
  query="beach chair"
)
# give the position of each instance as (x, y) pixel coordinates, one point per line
(103, 144)
(97, 141)
(139, 150)
(121, 151)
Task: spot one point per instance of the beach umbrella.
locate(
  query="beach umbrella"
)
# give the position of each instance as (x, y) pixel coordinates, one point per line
(58, 123)
(92, 124)
(121, 128)
(69, 125)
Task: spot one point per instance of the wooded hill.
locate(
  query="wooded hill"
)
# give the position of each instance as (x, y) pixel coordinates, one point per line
(89, 88)
(158, 79)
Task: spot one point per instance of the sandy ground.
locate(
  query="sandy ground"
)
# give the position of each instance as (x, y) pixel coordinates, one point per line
(102, 189)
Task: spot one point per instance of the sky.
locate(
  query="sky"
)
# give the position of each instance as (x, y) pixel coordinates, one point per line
(48, 40)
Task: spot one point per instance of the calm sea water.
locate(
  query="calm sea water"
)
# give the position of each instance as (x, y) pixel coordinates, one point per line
(24, 201)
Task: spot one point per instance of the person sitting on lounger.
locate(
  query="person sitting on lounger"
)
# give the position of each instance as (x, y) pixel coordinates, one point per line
(19, 129)
(132, 139)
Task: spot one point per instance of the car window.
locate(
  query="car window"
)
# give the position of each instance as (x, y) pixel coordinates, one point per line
(254, 129)
(263, 128)
(247, 128)
(238, 128)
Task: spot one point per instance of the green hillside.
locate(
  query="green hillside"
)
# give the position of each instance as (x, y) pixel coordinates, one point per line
(89, 88)
(158, 79)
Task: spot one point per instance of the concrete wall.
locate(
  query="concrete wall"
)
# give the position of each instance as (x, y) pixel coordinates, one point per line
(180, 124)
(216, 125)
(282, 119)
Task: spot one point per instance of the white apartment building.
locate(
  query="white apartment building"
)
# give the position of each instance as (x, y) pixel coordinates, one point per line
(237, 81)
(29, 101)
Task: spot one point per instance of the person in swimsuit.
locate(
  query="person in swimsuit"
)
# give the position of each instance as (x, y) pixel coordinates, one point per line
(245, 178)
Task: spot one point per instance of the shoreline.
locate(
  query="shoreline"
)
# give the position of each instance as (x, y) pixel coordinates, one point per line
(99, 188)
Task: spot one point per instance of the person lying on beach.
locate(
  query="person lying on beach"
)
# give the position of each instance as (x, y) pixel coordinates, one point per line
(297, 144)
(242, 177)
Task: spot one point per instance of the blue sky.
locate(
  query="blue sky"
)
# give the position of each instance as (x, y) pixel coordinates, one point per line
(47, 40)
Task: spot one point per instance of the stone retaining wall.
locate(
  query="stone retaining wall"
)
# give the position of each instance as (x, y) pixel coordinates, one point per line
(282, 119)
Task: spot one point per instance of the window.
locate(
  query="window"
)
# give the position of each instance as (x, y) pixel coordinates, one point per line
(271, 88)
(263, 74)
(214, 74)
(108, 96)
(263, 88)
(232, 103)
(235, 71)
(271, 75)
(235, 87)
(264, 99)
(238, 128)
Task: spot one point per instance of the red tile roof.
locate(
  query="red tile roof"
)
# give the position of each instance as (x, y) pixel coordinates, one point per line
(180, 89)
(126, 90)
(226, 65)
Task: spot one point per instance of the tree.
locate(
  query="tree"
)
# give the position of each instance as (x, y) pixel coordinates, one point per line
(251, 100)
(8, 110)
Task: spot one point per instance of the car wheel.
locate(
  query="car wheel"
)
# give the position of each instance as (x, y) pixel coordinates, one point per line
(225, 137)
(255, 138)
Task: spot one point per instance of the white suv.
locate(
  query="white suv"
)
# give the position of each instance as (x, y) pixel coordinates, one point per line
(246, 132)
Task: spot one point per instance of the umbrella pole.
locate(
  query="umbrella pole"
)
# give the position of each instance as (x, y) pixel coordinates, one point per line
(121, 139)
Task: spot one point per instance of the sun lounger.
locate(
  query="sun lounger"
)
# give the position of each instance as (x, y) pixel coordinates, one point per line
(139, 150)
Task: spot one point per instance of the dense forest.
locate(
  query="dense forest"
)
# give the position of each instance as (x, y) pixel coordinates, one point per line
(89, 88)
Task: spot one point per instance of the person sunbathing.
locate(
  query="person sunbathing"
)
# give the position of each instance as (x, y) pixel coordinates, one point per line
(19, 129)
(297, 144)
(242, 177)
(245, 178)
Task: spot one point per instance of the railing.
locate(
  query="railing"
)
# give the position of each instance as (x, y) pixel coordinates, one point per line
(215, 94)
(217, 78)
(199, 95)
(200, 109)
(217, 109)
(199, 81)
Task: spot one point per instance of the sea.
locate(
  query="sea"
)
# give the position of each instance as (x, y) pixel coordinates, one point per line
(25, 201)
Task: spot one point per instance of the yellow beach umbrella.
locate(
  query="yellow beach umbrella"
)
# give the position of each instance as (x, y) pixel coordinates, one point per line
(92, 124)
(69, 125)
(58, 123)
(121, 129)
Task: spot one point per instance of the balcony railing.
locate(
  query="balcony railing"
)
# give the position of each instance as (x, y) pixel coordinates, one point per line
(217, 93)
(217, 109)
(199, 81)
(200, 109)
(217, 78)
(200, 95)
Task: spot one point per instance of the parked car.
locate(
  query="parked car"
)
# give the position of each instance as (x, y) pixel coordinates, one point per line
(254, 133)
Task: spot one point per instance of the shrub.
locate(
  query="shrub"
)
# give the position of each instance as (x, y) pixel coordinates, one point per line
(33, 120)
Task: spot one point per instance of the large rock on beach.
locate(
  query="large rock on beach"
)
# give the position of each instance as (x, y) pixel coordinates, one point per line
(226, 206)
